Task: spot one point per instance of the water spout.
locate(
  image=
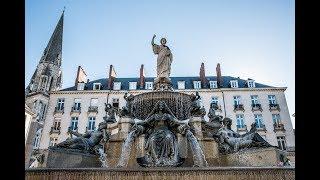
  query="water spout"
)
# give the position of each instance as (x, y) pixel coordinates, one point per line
(126, 150)
(199, 159)
(103, 158)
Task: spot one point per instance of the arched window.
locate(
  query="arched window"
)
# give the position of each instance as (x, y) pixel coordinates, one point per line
(36, 142)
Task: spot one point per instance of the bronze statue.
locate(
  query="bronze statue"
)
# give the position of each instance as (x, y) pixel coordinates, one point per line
(215, 122)
(86, 143)
(195, 107)
(126, 111)
(230, 141)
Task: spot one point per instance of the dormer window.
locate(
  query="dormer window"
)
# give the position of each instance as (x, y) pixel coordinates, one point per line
(213, 84)
(96, 86)
(80, 86)
(197, 84)
(251, 84)
(181, 85)
(132, 85)
(149, 85)
(116, 85)
(234, 84)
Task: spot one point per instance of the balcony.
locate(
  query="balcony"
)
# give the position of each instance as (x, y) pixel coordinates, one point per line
(76, 110)
(59, 110)
(87, 130)
(278, 127)
(261, 127)
(238, 107)
(274, 107)
(242, 128)
(256, 107)
(218, 107)
(55, 130)
(93, 109)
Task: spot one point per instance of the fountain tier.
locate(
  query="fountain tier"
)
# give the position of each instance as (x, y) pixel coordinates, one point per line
(178, 103)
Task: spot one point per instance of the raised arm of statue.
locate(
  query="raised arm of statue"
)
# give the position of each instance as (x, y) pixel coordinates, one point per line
(155, 47)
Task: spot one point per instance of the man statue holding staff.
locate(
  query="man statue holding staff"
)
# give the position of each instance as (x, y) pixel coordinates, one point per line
(164, 59)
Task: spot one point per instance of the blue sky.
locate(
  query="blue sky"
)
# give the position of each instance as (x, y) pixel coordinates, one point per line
(249, 38)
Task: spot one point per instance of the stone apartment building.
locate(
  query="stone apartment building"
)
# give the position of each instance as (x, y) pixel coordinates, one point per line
(81, 107)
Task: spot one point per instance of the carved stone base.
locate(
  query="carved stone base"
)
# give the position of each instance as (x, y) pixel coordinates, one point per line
(162, 84)
(253, 157)
(61, 158)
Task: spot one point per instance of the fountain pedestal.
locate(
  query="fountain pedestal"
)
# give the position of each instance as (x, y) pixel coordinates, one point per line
(66, 158)
(124, 125)
(195, 123)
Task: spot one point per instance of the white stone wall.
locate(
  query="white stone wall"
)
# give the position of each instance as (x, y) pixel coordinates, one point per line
(105, 96)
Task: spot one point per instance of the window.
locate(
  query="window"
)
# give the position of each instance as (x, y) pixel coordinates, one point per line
(96, 86)
(254, 100)
(77, 104)
(258, 120)
(132, 85)
(91, 123)
(80, 86)
(236, 100)
(115, 102)
(197, 84)
(36, 142)
(53, 141)
(149, 85)
(74, 123)
(214, 100)
(116, 85)
(234, 83)
(181, 85)
(281, 142)
(272, 99)
(240, 121)
(276, 118)
(56, 124)
(251, 84)
(213, 84)
(60, 104)
(94, 102)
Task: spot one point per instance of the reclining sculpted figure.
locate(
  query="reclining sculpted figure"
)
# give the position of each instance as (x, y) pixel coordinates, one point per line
(230, 141)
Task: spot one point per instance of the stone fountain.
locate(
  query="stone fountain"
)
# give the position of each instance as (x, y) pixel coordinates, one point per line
(165, 129)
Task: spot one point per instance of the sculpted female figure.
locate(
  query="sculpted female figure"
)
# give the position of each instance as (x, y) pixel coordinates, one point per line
(164, 58)
(161, 147)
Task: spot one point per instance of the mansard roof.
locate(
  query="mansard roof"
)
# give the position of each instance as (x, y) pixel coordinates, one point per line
(188, 82)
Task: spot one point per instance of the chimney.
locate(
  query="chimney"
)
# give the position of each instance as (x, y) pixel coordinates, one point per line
(112, 76)
(203, 79)
(81, 76)
(142, 77)
(219, 77)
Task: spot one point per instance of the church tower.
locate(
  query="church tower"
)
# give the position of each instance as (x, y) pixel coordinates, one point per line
(48, 75)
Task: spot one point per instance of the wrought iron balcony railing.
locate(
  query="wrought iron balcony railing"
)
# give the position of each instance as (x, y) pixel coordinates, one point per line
(55, 130)
(238, 107)
(93, 109)
(278, 127)
(256, 107)
(261, 127)
(241, 127)
(274, 107)
(75, 109)
(59, 110)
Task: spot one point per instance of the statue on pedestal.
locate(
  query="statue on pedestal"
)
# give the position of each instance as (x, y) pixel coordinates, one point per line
(126, 111)
(195, 107)
(164, 61)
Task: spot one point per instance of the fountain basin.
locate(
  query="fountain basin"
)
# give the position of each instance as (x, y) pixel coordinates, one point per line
(230, 173)
(178, 103)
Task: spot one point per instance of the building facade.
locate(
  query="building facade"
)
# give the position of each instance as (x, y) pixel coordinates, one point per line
(81, 107)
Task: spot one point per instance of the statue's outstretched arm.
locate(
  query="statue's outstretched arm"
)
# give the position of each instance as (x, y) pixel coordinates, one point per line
(152, 41)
